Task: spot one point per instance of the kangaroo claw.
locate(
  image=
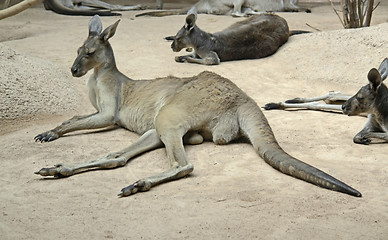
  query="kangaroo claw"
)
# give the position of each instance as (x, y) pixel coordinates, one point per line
(140, 185)
(59, 171)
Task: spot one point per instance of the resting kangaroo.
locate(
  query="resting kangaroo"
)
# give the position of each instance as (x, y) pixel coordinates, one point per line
(371, 99)
(169, 112)
(237, 8)
(86, 7)
(256, 37)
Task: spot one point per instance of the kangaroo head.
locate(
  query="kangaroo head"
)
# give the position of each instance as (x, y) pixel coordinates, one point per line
(183, 38)
(96, 49)
(364, 100)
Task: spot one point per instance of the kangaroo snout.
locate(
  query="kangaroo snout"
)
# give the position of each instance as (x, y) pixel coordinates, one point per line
(351, 107)
(174, 47)
(76, 72)
(344, 110)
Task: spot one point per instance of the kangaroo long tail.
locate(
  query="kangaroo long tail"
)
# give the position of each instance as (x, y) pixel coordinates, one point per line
(255, 126)
(164, 13)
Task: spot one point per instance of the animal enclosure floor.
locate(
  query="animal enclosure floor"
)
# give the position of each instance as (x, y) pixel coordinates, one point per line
(232, 193)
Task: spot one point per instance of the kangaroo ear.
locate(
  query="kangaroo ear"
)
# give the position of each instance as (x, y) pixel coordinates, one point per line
(374, 78)
(383, 69)
(95, 26)
(190, 19)
(109, 31)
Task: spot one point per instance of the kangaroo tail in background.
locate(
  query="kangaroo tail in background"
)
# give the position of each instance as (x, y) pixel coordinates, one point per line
(296, 32)
(255, 126)
(163, 13)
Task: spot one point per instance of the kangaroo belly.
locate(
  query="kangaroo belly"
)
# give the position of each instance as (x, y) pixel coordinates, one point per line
(141, 103)
(212, 111)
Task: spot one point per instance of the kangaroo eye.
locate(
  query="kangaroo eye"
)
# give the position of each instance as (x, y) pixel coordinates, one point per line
(90, 53)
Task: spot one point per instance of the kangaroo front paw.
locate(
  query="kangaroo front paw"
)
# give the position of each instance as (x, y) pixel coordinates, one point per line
(271, 106)
(46, 136)
(361, 140)
(239, 14)
(59, 171)
(140, 185)
(181, 59)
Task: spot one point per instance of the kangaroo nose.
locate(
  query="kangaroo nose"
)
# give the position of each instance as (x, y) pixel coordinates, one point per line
(74, 70)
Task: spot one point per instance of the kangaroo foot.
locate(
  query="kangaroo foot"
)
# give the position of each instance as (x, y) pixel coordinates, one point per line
(46, 136)
(140, 185)
(59, 171)
(181, 59)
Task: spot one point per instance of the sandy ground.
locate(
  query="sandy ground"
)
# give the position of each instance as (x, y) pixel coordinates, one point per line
(232, 194)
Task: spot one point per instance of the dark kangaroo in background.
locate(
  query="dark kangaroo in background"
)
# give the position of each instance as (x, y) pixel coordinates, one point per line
(169, 112)
(371, 100)
(256, 37)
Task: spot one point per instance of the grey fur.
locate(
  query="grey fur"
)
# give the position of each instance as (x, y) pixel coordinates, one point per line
(256, 37)
(371, 99)
(237, 8)
(86, 7)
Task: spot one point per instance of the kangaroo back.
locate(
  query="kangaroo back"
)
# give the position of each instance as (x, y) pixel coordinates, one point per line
(256, 37)
(254, 125)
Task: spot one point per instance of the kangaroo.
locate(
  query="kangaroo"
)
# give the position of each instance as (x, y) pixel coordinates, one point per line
(333, 101)
(86, 7)
(170, 112)
(256, 37)
(237, 8)
(371, 100)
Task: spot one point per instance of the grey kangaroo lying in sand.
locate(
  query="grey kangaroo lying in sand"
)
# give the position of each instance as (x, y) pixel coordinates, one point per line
(370, 100)
(237, 8)
(256, 37)
(86, 7)
(169, 112)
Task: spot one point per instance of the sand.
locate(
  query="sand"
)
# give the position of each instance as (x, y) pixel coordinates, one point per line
(232, 193)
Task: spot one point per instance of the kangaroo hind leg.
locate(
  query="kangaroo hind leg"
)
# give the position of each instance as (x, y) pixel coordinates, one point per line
(148, 141)
(226, 130)
(171, 132)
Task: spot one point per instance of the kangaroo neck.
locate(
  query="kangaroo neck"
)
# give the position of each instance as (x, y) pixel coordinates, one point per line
(381, 102)
(202, 38)
(109, 65)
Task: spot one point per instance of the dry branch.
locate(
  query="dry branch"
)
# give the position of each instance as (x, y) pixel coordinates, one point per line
(355, 13)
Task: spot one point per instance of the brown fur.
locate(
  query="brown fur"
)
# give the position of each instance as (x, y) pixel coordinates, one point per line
(169, 112)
